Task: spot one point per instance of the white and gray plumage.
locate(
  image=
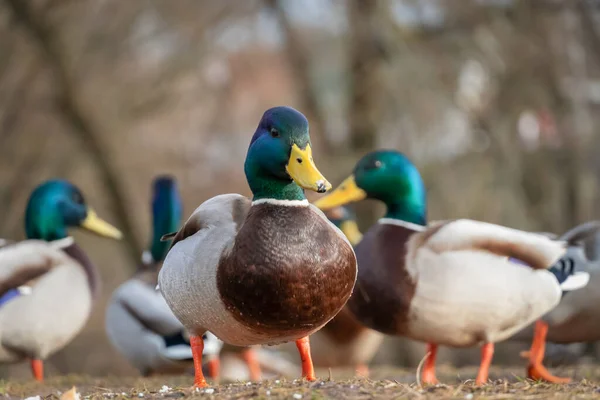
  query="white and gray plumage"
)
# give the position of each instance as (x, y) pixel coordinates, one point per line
(46, 298)
(141, 326)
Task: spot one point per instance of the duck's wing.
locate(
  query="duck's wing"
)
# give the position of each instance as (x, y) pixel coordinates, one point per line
(187, 278)
(535, 250)
(217, 211)
(148, 307)
(532, 249)
(27, 260)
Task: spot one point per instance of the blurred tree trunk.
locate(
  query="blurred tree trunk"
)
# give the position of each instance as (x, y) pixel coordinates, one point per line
(580, 121)
(299, 60)
(74, 116)
(367, 55)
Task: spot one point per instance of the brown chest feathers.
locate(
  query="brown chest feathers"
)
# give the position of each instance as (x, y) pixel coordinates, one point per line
(384, 289)
(287, 272)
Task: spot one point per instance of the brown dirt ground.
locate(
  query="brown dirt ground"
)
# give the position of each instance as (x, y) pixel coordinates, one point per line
(386, 383)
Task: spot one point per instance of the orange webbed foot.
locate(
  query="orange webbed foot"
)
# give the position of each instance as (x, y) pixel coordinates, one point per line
(535, 369)
(539, 372)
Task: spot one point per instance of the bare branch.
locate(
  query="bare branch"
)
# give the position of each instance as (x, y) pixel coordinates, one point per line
(367, 54)
(73, 114)
(299, 60)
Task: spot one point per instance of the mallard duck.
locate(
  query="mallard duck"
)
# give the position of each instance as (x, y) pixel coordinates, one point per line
(263, 271)
(448, 283)
(576, 318)
(56, 285)
(344, 341)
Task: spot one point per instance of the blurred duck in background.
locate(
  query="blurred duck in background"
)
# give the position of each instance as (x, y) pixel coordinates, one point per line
(48, 284)
(451, 282)
(576, 319)
(139, 323)
(343, 341)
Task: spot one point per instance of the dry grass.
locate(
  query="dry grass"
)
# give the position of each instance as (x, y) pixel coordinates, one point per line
(387, 383)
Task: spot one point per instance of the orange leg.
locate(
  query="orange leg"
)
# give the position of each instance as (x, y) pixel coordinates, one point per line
(362, 370)
(197, 345)
(214, 368)
(487, 353)
(249, 356)
(37, 368)
(308, 370)
(536, 369)
(428, 375)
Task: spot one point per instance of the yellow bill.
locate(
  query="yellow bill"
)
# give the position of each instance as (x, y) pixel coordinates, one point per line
(346, 193)
(93, 223)
(304, 172)
(351, 231)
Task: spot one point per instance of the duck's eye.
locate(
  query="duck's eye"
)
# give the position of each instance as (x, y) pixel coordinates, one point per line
(274, 133)
(77, 198)
(374, 165)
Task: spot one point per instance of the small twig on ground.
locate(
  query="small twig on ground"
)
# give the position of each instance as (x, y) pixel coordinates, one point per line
(330, 375)
(418, 375)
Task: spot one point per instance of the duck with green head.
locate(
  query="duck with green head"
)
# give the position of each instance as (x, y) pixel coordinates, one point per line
(450, 282)
(57, 282)
(265, 270)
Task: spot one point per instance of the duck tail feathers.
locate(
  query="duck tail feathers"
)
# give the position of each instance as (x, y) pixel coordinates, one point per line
(576, 281)
(569, 276)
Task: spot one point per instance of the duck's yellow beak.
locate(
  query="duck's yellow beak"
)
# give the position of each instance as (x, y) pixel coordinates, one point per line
(351, 231)
(304, 172)
(346, 193)
(93, 223)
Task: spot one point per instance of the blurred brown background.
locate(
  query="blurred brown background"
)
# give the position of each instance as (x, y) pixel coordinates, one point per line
(495, 101)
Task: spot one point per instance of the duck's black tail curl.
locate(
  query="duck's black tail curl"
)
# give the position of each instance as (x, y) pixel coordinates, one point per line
(570, 272)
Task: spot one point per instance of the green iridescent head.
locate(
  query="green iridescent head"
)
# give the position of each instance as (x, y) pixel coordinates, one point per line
(388, 176)
(279, 163)
(166, 214)
(56, 205)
